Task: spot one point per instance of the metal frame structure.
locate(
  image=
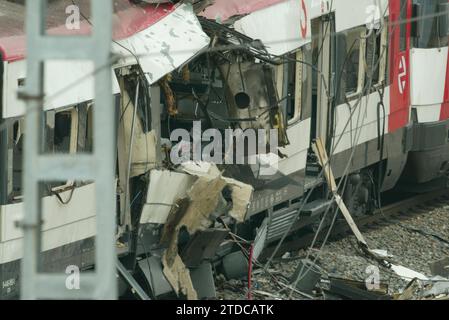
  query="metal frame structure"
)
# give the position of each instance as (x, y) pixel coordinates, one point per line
(98, 166)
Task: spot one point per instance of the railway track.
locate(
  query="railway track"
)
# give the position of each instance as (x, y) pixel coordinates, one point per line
(416, 204)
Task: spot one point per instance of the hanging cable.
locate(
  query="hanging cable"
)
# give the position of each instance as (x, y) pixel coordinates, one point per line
(131, 142)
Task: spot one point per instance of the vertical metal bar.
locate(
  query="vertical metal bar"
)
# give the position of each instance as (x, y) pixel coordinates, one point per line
(104, 152)
(35, 13)
(4, 146)
(104, 282)
(5, 160)
(155, 108)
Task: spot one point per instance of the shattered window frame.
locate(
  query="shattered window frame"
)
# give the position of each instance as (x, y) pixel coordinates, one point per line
(298, 85)
(16, 148)
(358, 33)
(381, 38)
(295, 89)
(428, 29)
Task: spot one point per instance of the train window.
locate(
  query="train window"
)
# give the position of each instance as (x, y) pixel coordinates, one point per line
(403, 25)
(350, 70)
(373, 51)
(64, 123)
(67, 131)
(85, 137)
(17, 155)
(352, 62)
(295, 71)
(376, 55)
(305, 108)
(429, 24)
(298, 82)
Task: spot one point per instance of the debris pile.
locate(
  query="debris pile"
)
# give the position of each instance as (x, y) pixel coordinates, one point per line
(414, 245)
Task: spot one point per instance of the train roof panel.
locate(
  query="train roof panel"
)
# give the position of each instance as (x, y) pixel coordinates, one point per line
(129, 19)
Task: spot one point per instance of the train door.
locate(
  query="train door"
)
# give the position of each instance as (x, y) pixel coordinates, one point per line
(322, 30)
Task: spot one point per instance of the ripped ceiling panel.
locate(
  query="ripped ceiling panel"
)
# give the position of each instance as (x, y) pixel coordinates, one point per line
(166, 45)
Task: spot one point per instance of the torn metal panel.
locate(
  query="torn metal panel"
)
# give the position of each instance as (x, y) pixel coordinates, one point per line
(174, 268)
(165, 45)
(144, 150)
(241, 193)
(247, 93)
(188, 201)
(252, 96)
(241, 198)
(194, 181)
(164, 189)
(192, 213)
(204, 197)
(179, 276)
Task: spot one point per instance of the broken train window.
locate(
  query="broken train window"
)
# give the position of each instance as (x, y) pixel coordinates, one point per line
(350, 53)
(293, 87)
(11, 149)
(293, 83)
(66, 131)
(376, 55)
(195, 92)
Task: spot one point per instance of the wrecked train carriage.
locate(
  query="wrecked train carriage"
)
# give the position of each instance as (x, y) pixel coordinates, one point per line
(340, 80)
(236, 85)
(178, 220)
(361, 102)
(314, 73)
(141, 56)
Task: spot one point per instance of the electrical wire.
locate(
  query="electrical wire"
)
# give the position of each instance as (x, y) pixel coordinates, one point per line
(131, 142)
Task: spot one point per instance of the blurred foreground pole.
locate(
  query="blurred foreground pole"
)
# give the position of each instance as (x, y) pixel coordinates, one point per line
(98, 166)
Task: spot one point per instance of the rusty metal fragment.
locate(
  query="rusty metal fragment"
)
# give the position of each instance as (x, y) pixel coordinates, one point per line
(169, 96)
(241, 197)
(193, 213)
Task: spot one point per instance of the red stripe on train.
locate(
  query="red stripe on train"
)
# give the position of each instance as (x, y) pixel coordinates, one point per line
(399, 68)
